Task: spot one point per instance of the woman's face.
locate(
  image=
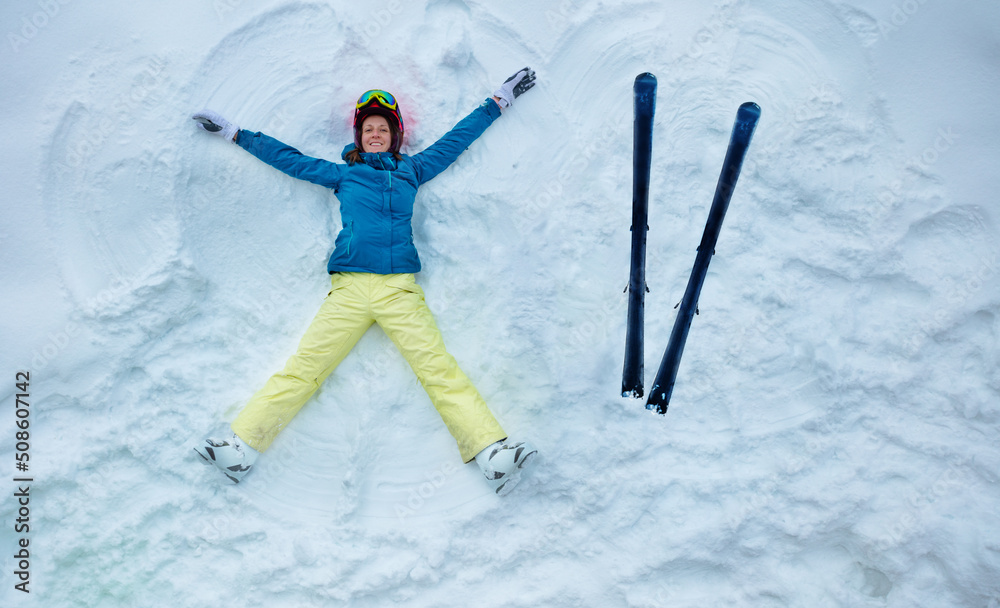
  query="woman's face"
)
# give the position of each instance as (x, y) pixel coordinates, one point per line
(375, 134)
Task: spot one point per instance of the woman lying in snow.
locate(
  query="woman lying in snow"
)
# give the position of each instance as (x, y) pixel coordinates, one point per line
(372, 270)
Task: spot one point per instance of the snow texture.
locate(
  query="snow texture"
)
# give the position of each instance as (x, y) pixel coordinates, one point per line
(832, 438)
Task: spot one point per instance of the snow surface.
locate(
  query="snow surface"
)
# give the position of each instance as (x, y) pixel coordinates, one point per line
(832, 439)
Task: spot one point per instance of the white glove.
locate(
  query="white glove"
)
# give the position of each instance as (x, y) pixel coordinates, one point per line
(216, 124)
(511, 88)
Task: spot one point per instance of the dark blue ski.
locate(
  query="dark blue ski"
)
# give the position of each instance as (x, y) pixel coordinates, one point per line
(644, 91)
(663, 386)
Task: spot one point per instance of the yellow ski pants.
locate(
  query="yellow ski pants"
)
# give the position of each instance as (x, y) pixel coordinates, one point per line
(355, 302)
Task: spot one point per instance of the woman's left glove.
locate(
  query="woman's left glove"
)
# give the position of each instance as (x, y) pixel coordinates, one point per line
(216, 124)
(520, 82)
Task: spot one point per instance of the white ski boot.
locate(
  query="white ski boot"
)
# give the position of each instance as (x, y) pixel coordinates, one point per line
(503, 463)
(232, 456)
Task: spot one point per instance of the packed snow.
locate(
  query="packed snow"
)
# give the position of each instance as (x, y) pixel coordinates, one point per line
(832, 437)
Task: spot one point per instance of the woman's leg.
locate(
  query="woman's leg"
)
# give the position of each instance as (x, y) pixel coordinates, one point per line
(399, 308)
(341, 321)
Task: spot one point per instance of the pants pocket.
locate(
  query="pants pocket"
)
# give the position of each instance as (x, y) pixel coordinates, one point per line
(339, 280)
(406, 282)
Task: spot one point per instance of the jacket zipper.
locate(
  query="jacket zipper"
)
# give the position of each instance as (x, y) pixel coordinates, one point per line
(389, 219)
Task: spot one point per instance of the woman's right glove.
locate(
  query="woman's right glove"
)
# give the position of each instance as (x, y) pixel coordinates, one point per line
(520, 82)
(216, 124)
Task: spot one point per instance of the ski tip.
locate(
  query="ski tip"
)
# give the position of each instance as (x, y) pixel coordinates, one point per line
(644, 90)
(749, 109)
(645, 78)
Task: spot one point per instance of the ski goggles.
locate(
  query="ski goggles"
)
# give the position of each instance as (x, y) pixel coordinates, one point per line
(378, 97)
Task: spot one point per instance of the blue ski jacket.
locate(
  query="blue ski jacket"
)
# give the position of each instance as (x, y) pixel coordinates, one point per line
(377, 195)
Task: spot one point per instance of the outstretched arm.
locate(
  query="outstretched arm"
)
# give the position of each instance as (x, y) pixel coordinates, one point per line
(281, 156)
(442, 153)
(290, 161)
(446, 150)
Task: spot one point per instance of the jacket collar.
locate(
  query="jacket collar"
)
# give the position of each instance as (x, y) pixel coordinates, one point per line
(376, 160)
